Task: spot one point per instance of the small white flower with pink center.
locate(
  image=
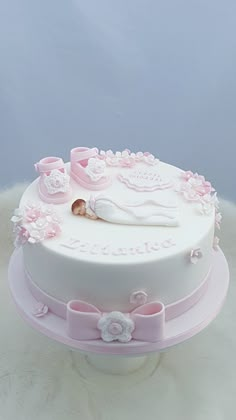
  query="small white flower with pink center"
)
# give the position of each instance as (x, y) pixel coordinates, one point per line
(116, 326)
(139, 156)
(194, 186)
(216, 242)
(32, 215)
(195, 255)
(138, 297)
(127, 162)
(150, 159)
(40, 310)
(207, 203)
(109, 153)
(186, 175)
(218, 220)
(36, 236)
(52, 230)
(17, 217)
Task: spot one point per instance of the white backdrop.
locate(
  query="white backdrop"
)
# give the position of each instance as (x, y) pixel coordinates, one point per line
(143, 74)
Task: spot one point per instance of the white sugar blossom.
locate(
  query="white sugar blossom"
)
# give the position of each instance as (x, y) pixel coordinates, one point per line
(195, 255)
(216, 242)
(138, 297)
(95, 169)
(18, 216)
(218, 220)
(57, 181)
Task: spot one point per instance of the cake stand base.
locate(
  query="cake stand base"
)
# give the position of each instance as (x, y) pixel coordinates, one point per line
(93, 368)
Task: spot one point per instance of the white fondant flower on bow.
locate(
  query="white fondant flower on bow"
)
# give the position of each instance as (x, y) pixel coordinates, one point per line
(95, 169)
(138, 297)
(218, 220)
(195, 255)
(57, 181)
(216, 242)
(40, 310)
(116, 326)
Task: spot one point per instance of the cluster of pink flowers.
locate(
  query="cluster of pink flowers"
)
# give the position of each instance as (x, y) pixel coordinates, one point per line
(126, 158)
(34, 223)
(194, 186)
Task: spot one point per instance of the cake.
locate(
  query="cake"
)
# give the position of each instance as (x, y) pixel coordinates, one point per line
(116, 243)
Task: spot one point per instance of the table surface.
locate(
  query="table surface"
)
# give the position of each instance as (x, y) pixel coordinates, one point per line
(42, 379)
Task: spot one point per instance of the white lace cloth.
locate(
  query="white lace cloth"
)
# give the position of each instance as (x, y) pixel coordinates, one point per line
(43, 380)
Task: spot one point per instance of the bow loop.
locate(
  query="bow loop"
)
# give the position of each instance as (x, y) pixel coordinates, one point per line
(86, 322)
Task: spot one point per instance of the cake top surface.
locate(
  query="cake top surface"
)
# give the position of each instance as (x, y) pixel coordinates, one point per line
(150, 212)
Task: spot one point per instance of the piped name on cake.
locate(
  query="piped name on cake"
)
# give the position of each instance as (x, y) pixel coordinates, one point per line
(147, 247)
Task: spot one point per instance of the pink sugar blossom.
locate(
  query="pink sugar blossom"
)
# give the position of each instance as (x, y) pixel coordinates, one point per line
(32, 215)
(200, 185)
(127, 162)
(194, 186)
(52, 231)
(109, 153)
(150, 159)
(186, 175)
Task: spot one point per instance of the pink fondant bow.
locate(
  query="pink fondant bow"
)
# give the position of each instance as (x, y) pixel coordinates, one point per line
(86, 322)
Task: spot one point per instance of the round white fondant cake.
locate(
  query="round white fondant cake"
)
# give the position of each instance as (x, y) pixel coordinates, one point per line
(145, 236)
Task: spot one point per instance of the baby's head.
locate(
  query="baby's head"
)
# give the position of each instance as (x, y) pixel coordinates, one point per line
(79, 207)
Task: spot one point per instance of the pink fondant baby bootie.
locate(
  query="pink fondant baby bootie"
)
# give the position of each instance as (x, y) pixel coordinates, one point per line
(54, 182)
(88, 170)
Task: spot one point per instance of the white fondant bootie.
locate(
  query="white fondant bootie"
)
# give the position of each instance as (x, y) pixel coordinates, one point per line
(54, 182)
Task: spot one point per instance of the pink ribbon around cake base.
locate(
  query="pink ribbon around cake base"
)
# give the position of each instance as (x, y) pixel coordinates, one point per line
(145, 323)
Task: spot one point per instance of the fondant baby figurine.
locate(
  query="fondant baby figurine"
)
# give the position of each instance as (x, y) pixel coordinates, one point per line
(146, 212)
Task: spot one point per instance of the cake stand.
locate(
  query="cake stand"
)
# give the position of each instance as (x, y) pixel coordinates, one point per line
(115, 357)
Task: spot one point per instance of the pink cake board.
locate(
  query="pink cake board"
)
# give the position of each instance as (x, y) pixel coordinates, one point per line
(177, 330)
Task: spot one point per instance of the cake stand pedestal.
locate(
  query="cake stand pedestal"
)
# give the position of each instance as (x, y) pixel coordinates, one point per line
(116, 365)
(115, 357)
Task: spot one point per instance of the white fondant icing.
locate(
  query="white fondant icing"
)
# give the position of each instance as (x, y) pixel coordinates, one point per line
(110, 249)
(106, 278)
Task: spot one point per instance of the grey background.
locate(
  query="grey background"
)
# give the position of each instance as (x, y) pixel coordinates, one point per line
(153, 75)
